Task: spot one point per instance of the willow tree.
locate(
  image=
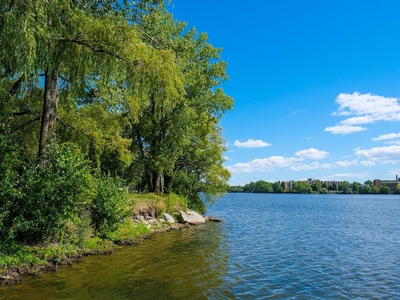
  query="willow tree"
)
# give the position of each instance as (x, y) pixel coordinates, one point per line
(87, 54)
(183, 138)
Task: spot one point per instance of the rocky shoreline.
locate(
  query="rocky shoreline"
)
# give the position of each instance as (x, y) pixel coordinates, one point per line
(16, 274)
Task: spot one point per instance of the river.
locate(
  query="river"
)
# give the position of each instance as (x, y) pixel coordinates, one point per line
(269, 246)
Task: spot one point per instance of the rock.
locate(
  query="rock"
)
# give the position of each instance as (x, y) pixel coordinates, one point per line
(168, 218)
(213, 219)
(191, 217)
(143, 220)
(152, 221)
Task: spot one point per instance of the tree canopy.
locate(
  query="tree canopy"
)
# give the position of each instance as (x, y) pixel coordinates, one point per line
(107, 88)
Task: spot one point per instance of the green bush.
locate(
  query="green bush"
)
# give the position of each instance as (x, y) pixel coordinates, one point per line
(176, 203)
(108, 206)
(42, 195)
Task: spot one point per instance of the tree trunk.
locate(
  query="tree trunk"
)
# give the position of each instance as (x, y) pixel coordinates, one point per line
(167, 183)
(156, 181)
(149, 183)
(49, 112)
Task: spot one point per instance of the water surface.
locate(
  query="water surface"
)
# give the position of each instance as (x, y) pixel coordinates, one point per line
(270, 246)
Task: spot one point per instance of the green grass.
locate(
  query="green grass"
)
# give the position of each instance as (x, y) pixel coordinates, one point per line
(128, 232)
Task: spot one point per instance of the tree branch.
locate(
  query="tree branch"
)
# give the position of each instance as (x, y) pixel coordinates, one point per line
(14, 89)
(76, 129)
(69, 40)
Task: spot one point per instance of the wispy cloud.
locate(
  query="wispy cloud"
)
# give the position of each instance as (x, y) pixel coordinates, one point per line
(367, 163)
(344, 129)
(296, 112)
(315, 165)
(392, 142)
(365, 109)
(389, 154)
(309, 138)
(251, 144)
(351, 176)
(312, 153)
(388, 136)
(263, 165)
(271, 163)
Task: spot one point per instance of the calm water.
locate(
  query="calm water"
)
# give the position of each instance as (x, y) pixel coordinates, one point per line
(270, 246)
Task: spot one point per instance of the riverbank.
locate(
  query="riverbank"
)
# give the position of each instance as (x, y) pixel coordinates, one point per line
(148, 214)
(50, 258)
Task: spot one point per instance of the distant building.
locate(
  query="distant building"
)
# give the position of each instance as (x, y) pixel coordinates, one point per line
(391, 184)
(285, 185)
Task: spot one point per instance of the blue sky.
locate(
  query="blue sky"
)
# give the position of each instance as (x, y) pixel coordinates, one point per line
(316, 86)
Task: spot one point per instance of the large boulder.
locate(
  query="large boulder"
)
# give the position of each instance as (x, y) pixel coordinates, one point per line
(168, 218)
(191, 217)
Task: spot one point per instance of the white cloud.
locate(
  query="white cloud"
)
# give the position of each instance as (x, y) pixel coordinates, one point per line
(366, 109)
(309, 138)
(315, 165)
(263, 165)
(389, 154)
(251, 144)
(351, 176)
(226, 158)
(367, 163)
(312, 153)
(392, 142)
(344, 129)
(394, 173)
(388, 136)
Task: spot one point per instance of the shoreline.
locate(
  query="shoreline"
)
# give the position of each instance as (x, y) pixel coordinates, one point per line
(16, 274)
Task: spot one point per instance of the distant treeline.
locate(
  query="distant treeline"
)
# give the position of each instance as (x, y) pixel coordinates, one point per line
(315, 187)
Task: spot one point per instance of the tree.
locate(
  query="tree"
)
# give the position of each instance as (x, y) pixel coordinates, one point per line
(177, 139)
(90, 56)
(374, 190)
(368, 182)
(277, 188)
(317, 186)
(384, 190)
(335, 186)
(356, 187)
(366, 189)
(301, 187)
(345, 187)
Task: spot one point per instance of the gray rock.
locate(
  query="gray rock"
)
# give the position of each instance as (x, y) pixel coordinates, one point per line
(143, 220)
(213, 219)
(191, 217)
(168, 218)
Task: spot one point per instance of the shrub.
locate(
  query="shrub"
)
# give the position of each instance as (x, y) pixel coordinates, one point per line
(176, 203)
(43, 194)
(108, 206)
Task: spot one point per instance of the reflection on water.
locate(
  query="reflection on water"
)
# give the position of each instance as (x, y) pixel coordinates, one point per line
(269, 246)
(184, 264)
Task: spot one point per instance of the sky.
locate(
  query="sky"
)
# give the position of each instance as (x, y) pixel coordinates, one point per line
(316, 86)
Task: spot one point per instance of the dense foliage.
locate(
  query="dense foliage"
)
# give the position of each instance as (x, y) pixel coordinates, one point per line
(96, 95)
(303, 187)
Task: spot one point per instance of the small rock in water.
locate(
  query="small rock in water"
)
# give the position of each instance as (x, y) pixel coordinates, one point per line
(213, 219)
